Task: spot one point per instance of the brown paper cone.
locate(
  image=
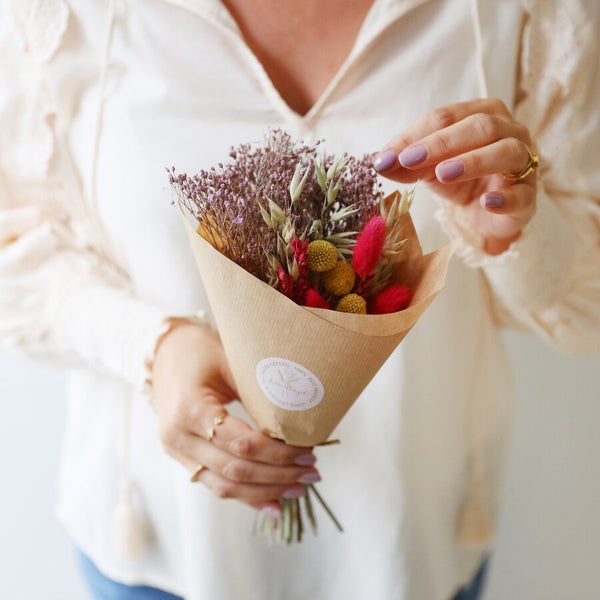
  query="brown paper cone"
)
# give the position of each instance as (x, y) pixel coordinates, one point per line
(298, 369)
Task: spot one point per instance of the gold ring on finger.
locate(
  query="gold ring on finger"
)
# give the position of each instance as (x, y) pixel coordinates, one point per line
(532, 164)
(197, 471)
(218, 420)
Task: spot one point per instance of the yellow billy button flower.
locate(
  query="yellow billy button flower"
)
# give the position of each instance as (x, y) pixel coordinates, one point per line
(340, 279)
(352, 303)
(322, 256)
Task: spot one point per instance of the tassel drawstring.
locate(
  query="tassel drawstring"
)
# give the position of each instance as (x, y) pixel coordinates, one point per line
(474, 526)
(131, 531)
(130, 528)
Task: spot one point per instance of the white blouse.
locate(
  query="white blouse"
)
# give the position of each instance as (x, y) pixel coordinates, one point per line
(97, 98)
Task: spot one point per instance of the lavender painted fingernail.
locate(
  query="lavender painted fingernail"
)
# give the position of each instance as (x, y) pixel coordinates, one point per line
(309, 478)
(449, 170)
(305, 460)
(493, 200)
(294, 493)
(386, 160)
(413, 155)
(271, 511)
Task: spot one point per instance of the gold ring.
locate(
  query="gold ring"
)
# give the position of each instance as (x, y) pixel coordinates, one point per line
(196, 473)
(532, 165)
(218, 420)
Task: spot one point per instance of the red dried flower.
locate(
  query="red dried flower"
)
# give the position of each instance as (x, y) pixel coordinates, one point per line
(392, 299)
(301, 287)
(286, 283)
(369, 246)
(315, 300)
(302, 283)
(300, 249)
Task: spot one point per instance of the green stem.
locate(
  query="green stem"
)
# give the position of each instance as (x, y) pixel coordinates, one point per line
(300, 526)
(310, 512)
(281, 520)
(324, 505)
(294, 520)
(288, 522)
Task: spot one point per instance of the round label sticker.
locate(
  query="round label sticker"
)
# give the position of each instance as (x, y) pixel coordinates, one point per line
(288, 384)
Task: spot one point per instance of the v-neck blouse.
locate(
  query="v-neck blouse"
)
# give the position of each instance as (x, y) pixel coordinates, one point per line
(90, 273)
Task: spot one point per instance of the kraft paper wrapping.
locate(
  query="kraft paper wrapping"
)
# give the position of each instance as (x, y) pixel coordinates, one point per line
(314, 362)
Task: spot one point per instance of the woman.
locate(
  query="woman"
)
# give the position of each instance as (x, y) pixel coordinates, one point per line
(96, 270)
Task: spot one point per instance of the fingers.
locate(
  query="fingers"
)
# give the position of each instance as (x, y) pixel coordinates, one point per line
(249, 493)
(462, 150)
(193, 383)
(474, 131)
(236, 437)
(449, 132)
(224, 487)
(445, 116)
(504, 156)
(240, 470)
(504, 213)
(243, 442)
(272, 509)
(239, 462)
(437, 120)
(518, 200)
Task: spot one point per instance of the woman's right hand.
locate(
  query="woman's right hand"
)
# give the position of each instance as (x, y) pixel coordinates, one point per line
(192, 384)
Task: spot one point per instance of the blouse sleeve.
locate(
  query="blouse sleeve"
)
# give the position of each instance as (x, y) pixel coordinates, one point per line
(63, 294)
(548, 281)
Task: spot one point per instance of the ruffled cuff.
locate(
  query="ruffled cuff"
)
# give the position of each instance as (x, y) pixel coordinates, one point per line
(536, 269)
(112, 331)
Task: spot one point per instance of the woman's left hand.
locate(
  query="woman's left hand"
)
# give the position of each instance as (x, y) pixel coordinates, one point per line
(461, 150)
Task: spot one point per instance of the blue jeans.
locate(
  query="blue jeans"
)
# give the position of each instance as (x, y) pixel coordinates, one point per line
(474, 589)
(103, 588)
(106, 589)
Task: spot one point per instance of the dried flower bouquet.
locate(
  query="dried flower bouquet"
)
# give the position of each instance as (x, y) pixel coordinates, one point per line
(282, 234)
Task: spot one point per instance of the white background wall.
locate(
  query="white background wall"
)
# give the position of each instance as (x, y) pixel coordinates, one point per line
(549, 538)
